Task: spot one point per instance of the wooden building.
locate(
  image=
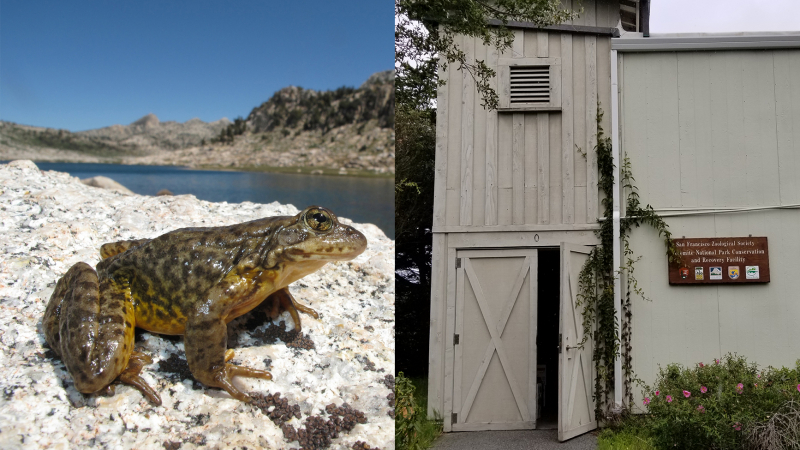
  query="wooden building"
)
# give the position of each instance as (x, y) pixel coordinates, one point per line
(517, 205)
(711, 125)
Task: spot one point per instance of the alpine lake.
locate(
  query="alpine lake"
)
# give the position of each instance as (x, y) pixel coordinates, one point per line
(362, 199)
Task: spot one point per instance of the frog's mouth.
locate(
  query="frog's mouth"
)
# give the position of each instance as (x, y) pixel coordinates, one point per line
(326, 253)
(344, 243)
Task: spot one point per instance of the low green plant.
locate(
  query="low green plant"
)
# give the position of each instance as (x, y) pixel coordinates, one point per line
(712, 406)
(624, 439)
(626, 431)
(413, 429)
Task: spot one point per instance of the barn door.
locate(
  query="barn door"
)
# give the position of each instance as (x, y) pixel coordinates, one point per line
(575, 366)
(494, 370)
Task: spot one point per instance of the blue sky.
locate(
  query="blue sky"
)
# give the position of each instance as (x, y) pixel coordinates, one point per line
(80, 65)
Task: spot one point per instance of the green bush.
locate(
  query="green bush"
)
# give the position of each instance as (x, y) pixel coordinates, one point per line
(413, 429)
(406, 420)
(713, 405)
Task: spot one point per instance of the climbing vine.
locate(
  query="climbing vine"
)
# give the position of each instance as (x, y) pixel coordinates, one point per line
(596, 282)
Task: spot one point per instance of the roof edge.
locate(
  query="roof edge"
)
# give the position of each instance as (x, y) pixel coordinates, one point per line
(635, 42)
(564, 28)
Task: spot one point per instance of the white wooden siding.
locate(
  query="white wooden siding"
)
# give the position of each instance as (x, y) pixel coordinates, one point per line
(502, 179)
(523, 168)
(595, 13)
(715, 129)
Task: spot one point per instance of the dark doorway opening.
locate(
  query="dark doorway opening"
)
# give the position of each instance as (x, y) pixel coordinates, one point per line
(548, 307)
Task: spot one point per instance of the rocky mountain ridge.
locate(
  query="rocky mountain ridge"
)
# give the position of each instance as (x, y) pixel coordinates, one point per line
(348, 130)
(294, 107)
(141, 137)
(150, 133)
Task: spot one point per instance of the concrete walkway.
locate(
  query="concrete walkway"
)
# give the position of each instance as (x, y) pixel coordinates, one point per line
(513, 440)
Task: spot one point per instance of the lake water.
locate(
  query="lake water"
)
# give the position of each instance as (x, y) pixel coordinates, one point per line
(364, 200)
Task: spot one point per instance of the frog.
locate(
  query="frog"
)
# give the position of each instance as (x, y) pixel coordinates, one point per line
(190, 282)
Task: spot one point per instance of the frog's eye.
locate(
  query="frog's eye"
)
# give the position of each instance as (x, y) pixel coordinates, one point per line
(318, 220)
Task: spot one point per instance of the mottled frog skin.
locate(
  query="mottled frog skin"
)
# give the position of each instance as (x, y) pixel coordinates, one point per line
(190, 282)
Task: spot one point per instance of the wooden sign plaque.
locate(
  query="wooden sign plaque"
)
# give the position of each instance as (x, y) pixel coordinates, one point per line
(726, 260)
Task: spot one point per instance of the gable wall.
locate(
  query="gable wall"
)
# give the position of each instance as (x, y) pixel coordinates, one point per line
(507, 169)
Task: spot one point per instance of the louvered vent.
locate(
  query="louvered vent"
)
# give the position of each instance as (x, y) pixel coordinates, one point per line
(530, 84)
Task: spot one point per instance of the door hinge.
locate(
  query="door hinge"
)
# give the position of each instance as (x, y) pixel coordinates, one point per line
(454, 418)
(455, 339)
(458, 263)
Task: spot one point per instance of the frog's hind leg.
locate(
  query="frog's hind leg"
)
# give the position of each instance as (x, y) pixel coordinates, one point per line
(130, 376)
(91, 332)
(282, 300)
(114, 248)
(206, 340)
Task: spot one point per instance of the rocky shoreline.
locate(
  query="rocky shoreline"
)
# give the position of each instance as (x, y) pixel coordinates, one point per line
(332, 384)
(339, 150)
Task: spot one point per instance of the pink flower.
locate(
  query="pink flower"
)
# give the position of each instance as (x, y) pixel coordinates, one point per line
(716, 361)
(755, 384)
(758, 376)
(737, 426)
(669, 399)
(798, 388)
(701, 409)
(703, 389)
(740, 388)
(657, 392)
(702, 365)
(687, 394)
(646, 401)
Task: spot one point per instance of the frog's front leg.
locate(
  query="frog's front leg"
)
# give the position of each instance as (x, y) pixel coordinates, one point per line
(89, 324)
(282, 300)
(206, 341)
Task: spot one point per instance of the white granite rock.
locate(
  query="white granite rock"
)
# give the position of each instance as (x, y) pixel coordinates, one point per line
(50, 221)
(106, 183)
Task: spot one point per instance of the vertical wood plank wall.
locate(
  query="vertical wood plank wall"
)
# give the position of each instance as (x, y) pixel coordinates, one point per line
(505, 169)
(515, 173)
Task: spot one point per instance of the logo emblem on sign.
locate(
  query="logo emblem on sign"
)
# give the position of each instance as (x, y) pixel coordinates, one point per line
(733, 272)
(684, 272)
(698, 273)
(751, 272)
(715, 273)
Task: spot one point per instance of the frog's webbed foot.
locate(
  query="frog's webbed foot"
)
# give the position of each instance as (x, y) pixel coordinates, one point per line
(283, 300)
(130, 376)
(206, 353)
(223, 377)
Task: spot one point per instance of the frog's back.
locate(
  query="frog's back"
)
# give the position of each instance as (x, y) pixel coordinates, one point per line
(183, 265)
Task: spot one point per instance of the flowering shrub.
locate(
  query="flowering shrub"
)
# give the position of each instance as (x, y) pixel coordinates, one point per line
(718, 403)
